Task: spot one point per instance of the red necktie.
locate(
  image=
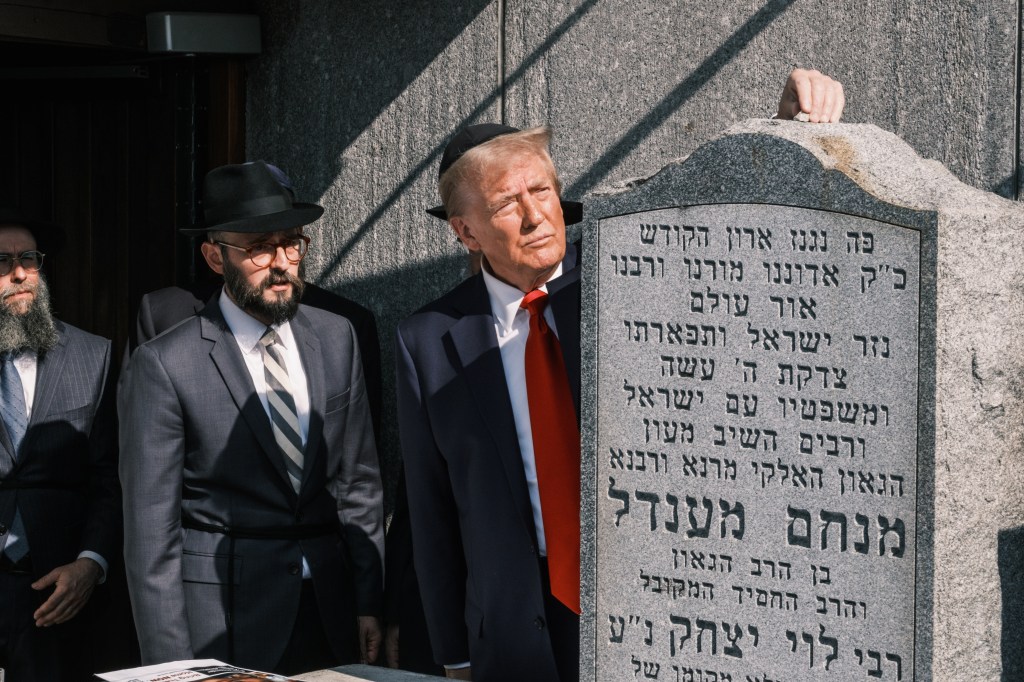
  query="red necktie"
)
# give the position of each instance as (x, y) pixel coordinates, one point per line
(556, 451)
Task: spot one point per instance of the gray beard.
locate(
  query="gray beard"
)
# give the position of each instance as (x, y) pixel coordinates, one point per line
(250, 298)
(34, 330)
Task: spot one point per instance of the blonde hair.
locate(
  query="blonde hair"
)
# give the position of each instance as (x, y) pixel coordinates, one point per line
(468, 170)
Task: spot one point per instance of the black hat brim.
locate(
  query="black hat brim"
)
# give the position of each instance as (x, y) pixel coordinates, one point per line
(50, 238)
(298, 215)
(572, 212)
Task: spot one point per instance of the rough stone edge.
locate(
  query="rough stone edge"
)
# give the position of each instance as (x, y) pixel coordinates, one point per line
(897, 178)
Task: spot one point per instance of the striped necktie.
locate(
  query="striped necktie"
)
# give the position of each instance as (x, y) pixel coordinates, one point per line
(284, 418)
(15, 416)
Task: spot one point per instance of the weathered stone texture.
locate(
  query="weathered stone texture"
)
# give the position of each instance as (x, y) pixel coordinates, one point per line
(970, 503)
(356, 102)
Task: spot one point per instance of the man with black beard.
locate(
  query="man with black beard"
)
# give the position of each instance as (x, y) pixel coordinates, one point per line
(164, 308)
(254, 521)
(60, 505)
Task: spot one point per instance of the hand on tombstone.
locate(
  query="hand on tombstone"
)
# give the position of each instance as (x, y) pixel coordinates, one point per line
(813, 93)
(73, 584)
(369, 639)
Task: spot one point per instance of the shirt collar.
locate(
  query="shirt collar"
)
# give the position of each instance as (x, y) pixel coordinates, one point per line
(24, 356)
(505, 298)
(247, 330)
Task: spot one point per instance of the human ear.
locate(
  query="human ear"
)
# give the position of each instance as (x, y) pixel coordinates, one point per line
(464, 233)
(214, 257)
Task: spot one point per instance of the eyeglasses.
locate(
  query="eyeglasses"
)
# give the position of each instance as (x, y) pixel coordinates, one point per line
(262, 254)
(30, 261)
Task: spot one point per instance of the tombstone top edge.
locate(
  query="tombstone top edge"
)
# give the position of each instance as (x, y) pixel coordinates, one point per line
(850, 168)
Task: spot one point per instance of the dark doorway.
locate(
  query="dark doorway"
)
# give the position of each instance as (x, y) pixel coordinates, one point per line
(113, 146)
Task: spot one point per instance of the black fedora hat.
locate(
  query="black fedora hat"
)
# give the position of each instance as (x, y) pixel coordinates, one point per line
(247, 197)
(474, 135)
(49, 237)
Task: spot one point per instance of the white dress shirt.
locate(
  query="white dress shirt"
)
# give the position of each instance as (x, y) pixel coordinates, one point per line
(27, 364)
(248, 331)
(512, 326)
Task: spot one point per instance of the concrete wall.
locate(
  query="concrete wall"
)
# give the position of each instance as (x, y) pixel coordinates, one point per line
(356, 100)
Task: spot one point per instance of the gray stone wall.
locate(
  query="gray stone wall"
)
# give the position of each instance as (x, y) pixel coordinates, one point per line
(629, 86)
(355, 100)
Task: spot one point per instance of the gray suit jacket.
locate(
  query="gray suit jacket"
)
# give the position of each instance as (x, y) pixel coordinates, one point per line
(197, 444)
(65, 480)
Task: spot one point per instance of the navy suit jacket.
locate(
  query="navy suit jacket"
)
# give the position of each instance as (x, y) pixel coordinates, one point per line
(473, 531)
(65, 478)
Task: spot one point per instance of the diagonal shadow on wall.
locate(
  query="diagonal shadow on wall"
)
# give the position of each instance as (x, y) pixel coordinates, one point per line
(707, 70)
(347, 60)
(629, 142)
(431, 159)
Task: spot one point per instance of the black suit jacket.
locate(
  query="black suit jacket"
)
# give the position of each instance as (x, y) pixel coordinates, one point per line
(65, 479)
(473, 530)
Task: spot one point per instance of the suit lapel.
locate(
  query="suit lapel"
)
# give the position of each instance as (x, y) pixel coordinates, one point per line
(7, 461)
(227, 357)
(49, 370)
(564, 299)
(480, 365)
(7, 458)
(312, 362)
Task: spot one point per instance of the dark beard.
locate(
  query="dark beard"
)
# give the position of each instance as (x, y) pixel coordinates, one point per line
(34, 330)
(250, 298)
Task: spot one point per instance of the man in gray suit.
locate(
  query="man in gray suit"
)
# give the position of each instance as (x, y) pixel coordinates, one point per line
(253, 505)
(60, 505)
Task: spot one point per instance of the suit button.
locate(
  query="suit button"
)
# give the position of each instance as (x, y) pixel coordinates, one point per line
(294, 569)
(539, 622)
(3, 529)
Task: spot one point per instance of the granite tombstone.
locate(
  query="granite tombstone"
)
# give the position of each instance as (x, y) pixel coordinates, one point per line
(803, 414)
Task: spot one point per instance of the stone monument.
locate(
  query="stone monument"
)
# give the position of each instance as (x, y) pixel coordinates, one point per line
(803, 415)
